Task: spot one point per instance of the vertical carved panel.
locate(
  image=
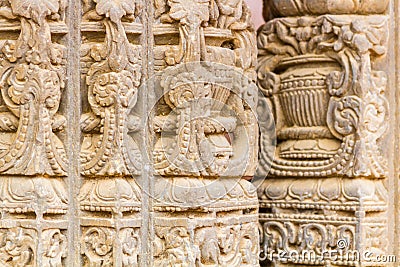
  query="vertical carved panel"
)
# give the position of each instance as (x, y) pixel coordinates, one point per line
(330, 111)
(110, 156)
(205, 134)
(32, 154)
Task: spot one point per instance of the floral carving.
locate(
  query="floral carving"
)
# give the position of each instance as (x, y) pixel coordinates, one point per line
(97, 246)
(200, 101)
(31, 85)
(130, 247)
(222, 245)
(315, 238)
(115, 10)
(55, 248)
(277, 8)
(113, 82)
(351, 89)
(17, 248)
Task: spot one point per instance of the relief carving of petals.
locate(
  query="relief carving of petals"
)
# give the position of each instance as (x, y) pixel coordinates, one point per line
(115, 9)
(18, 247)
(36, 9)
(322, 191)
(110, 195)
(191, 193)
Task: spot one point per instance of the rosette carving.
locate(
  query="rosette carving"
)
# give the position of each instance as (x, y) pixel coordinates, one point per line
(17, 247)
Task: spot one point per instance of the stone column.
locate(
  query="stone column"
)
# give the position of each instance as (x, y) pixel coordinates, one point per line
(205, 134)
(33, 159)
(127, 133)
(320, 68)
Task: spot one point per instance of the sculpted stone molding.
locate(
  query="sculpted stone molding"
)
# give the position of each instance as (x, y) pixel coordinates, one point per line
(32, 79)
(110, 157)
(333, 115)
(289, 8)
(183, 85)
(88, 196)
(227, 245)
(325, 179)
(55, 247)
(113, 82)
(102, 246)
(33, 160)
(18, 247)
(113, 78)
(206, 133)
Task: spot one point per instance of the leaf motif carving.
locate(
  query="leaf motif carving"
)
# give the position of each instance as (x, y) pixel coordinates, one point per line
(115, 9)
(189, 10)
(35, 9)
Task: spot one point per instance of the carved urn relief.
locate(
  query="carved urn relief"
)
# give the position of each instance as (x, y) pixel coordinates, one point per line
(304, 97)
(327, 101)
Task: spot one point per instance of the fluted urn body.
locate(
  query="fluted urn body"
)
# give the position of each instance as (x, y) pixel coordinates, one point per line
(304, 97)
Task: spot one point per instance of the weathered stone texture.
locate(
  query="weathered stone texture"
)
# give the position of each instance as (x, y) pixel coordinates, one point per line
(320, 71)
(126, 128)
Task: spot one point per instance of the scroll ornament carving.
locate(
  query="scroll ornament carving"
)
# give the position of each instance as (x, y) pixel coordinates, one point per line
(32, 78)
(342, 103)
(113, 82)
(277, 8)
(228, 245)
(197, 95)
(130, 247)
(17, 247)
(99, 247)
(55, 248)
(314, 238)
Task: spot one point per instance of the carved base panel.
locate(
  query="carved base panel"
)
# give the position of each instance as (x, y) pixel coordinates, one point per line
(323, 222)
(207, 222)
(198, 239)
(110, 195)
(33, 243)
(224, 194)
(110, 242)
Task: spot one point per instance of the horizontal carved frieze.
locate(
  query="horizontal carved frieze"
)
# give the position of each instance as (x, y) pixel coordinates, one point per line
(202, 242)
(323, 194)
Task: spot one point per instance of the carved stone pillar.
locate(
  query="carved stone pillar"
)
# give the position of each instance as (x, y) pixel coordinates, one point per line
(324, 202)
(127, 133)
(33, 161)
(206, 134)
